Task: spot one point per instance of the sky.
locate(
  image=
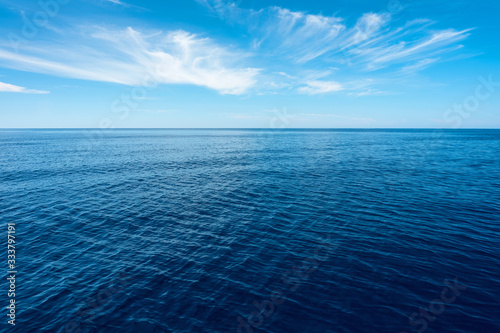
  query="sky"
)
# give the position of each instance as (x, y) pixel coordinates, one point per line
(249, 64)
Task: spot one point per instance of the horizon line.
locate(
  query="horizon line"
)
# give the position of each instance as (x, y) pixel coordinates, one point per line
(245, 128)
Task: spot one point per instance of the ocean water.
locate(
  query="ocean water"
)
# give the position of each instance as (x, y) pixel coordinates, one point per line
(214, 231)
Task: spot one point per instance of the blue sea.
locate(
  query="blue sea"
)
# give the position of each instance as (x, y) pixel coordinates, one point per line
(226, 231)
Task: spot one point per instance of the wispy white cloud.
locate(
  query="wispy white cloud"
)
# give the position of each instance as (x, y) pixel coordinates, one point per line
(286, 75)
(305, 53)
(372, 43)
(129, 57)
(320, 87)
(298, 36)
(117, 2)
(227, 10)
(419, 65)
(6, 87)
(356, 87)
(378, 56)
(367, 27)
(123, 4)
(375, 45)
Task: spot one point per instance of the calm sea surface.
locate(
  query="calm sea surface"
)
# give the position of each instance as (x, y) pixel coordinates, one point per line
(252, 230)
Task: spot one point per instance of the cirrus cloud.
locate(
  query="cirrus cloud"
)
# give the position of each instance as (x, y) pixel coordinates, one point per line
(129, 57)
(7, 87)
(320, 87)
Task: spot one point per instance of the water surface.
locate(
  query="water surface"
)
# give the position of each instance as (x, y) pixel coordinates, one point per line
(189, 230)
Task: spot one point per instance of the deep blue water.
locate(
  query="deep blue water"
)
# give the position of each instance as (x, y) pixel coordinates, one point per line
(188, 230)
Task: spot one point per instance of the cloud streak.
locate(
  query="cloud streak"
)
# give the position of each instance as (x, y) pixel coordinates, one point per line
(369, 45)
(117, 2)
(6, 87)
(320, 87)
(373, 42)
(128, 57)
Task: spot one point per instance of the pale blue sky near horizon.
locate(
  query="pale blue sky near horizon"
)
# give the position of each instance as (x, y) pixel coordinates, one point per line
(249, 64)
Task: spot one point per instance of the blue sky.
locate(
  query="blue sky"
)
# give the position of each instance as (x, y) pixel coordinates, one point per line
(249, 63)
